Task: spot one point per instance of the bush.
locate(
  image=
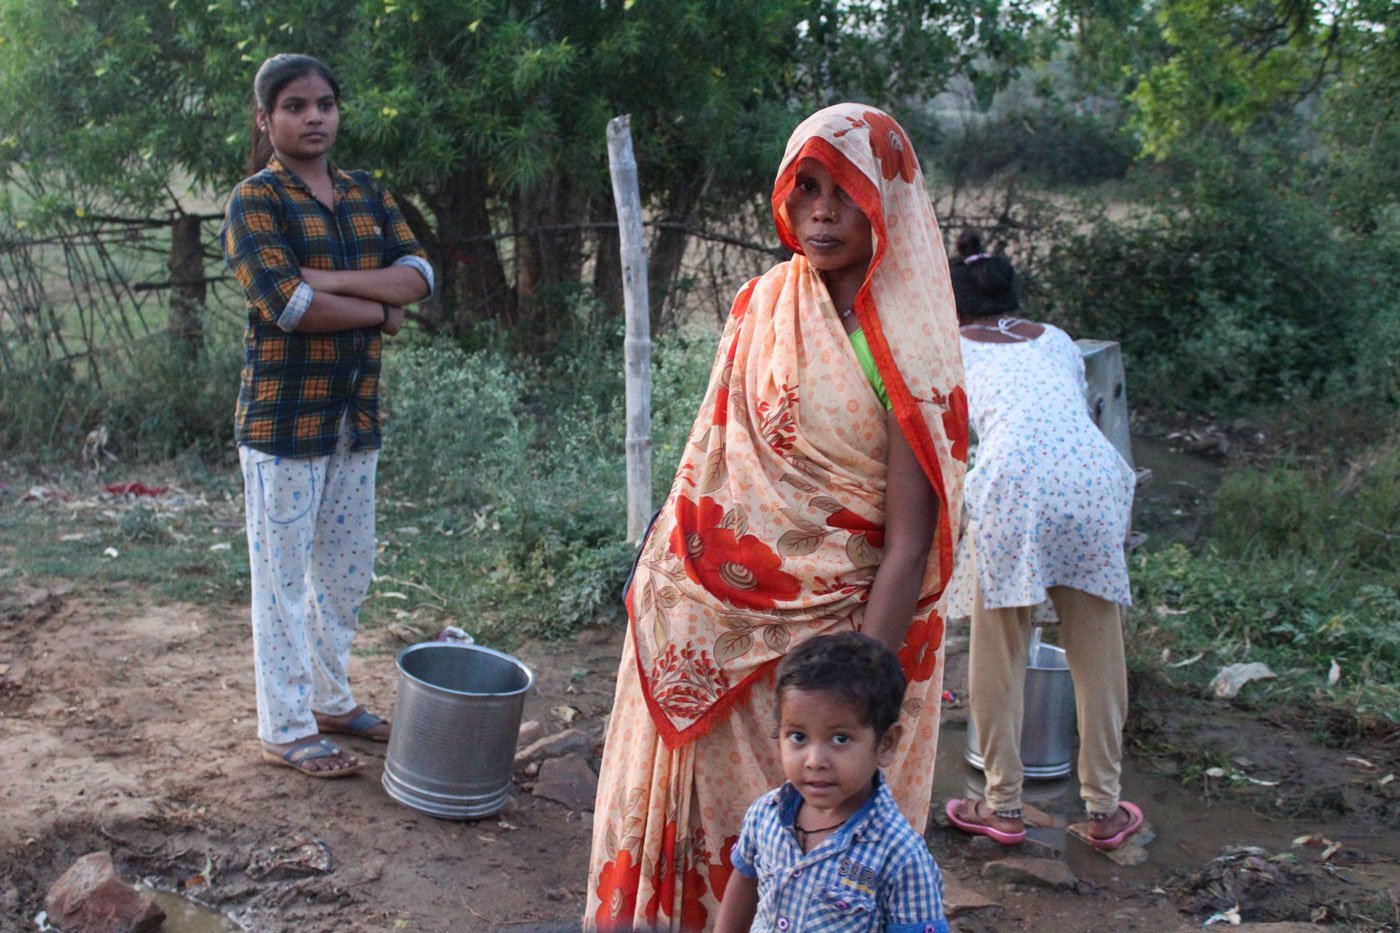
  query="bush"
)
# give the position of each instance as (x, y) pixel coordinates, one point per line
(155, 402)
(1349, 524)
(1234, 295)
(1279, 610)
(1054, 147)
(517, 464)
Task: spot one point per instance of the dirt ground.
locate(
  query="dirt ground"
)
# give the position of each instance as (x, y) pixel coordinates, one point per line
(129, 728)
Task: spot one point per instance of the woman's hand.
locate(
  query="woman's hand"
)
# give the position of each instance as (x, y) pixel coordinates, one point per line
(393, 323)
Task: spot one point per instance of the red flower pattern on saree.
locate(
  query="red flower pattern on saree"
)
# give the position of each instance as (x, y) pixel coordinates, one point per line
(721, 870)
(741, 571)
(855, 524)
(955, 423)
(919, 656)
(617, 891)
(890, 146)
(686, 683)
(721, 410)
(779, 423)
(671, 863)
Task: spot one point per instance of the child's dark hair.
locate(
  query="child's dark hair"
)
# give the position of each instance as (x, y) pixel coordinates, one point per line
(850, 664)
(275, 74)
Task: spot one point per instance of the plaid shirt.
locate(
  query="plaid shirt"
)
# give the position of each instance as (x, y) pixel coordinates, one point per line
(875, 873)
(296, 387)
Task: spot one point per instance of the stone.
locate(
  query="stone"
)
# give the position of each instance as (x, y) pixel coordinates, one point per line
(530, 733)
(90, 898)
(959, 899)
(1040, 872)
(568, 742)
(568, 780)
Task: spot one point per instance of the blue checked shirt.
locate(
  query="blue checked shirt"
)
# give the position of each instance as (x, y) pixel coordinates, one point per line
(875, 873)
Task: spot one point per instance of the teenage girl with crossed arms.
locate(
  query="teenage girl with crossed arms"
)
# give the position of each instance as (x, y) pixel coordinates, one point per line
(326, 262)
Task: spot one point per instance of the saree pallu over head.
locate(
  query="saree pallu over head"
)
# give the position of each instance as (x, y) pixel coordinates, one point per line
(772, 532)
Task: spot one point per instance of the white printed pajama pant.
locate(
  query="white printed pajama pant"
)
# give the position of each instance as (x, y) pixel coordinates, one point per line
(311, 552)
(1091, 632)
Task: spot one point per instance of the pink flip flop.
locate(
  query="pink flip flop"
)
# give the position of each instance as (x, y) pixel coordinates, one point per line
(1112, 842)
(981, 829)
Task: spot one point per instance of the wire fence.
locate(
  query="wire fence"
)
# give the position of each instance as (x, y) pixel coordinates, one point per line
(89, 292)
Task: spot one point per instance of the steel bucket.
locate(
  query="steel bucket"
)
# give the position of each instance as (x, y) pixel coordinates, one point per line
(456, 721)
(1048, 727)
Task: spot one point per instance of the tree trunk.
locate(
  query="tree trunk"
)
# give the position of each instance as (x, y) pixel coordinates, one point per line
(549, 250)
(188, 288)
(607, 270)
(668, 247)
(472, 282)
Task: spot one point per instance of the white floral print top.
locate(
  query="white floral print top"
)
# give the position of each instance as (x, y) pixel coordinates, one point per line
(1048, 497)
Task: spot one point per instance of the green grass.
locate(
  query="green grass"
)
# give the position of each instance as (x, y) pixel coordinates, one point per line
(1280, 610)
(120, 549)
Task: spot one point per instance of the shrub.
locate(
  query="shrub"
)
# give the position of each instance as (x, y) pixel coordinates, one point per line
(155, 402)
(1348, 524)
(1279, 610)
(1055, 147)
(517, 465)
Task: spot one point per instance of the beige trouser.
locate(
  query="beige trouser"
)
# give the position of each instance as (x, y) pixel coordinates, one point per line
(1091, 632)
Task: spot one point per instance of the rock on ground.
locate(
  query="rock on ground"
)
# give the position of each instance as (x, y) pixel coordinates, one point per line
(568, 742)
(90, 898)
(568, 780)
(1041, 872)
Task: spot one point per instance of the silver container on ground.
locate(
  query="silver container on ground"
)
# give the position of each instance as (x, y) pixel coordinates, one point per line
(456, 721)
(1048, 727)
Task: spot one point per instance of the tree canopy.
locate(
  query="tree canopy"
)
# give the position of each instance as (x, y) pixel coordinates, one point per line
(487, 117)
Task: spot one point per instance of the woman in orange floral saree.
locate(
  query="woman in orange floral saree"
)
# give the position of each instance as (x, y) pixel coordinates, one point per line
(819, 491)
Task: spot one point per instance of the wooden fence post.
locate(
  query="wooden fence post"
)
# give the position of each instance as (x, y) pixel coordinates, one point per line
(636, 346)
(187, 278)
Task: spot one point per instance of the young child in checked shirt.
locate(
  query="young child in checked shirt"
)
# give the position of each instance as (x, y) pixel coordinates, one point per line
(326, 262)
(829, 850)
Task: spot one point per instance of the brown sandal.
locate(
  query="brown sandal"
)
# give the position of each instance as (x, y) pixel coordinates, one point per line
(361, 725)
(312, 749)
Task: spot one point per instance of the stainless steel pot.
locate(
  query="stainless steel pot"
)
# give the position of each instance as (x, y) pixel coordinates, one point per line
(1048, 727)
(456, 721)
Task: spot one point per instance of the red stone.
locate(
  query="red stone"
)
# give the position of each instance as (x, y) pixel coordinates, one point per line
(91, 898)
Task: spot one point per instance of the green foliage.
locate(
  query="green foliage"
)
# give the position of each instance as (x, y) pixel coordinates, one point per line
(1301, 573)
(142, 524)
(156, 404)
(514, 465)
(455, 426)
(1352, 524)
(1050, 146)
(1280, 610)
(680, 377)
(1235, 290)
(1242, 71)
(484, 116)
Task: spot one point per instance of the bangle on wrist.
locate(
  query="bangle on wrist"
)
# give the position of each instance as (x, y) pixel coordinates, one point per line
(385, 308)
